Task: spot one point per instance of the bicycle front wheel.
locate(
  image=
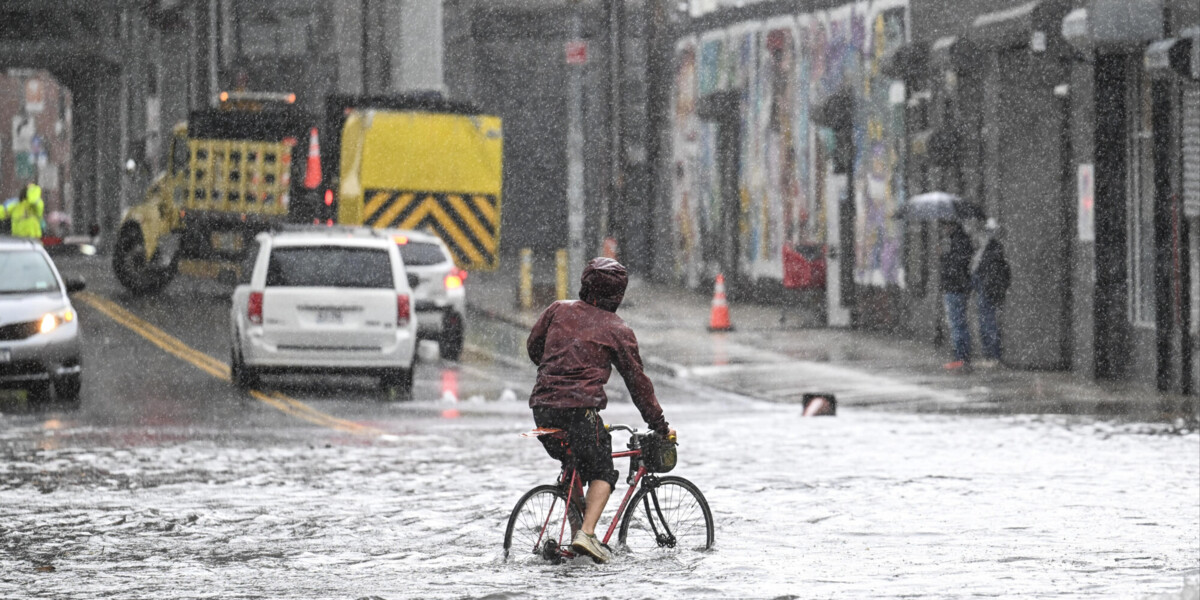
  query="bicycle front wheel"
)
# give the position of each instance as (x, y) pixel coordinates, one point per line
(666, 518)
(535, 527)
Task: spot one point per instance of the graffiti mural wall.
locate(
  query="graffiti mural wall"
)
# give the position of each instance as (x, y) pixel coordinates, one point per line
(880, 151)
(685, 185)
(783, 70)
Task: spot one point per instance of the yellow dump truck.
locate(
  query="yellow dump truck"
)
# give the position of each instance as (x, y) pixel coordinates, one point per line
(256, 162)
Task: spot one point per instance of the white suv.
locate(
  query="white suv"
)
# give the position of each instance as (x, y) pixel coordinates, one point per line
(324, 300)
(439, 291)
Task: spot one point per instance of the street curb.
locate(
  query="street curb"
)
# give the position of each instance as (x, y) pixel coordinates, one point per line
(511, 362)
(499, 316)
(665, 368)
(652, 364)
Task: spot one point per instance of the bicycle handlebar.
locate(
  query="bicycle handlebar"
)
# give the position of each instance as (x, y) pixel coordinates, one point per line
(618, 427)
(632, 430)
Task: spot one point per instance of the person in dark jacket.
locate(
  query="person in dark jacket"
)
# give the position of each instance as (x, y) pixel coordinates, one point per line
(956, 253)
(575, 344)
(990, 278)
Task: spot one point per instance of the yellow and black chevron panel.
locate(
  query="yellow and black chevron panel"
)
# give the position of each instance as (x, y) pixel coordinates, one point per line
(468, 223)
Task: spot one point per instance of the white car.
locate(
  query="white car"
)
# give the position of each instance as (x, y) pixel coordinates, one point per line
(40, 345)
(440, 297)
(324, 300)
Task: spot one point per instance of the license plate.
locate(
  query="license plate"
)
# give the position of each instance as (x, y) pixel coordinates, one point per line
(5, 355)
(329, 317)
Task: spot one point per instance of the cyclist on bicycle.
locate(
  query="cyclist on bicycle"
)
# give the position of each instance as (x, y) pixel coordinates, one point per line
(575, 344)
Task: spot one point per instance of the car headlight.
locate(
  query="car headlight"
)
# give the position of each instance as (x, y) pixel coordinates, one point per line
(51, 321)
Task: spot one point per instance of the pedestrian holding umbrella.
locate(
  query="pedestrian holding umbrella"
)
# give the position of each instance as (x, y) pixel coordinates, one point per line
(940, 206)
(950, 211)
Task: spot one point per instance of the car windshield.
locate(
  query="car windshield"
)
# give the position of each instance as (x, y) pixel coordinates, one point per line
(24, 272)
(329, 266)
(420, 254)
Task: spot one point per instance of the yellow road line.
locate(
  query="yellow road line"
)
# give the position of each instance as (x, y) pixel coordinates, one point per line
(218, 369)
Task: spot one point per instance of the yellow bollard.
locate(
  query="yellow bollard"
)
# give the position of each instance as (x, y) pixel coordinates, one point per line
(526, 284)
(560, 259)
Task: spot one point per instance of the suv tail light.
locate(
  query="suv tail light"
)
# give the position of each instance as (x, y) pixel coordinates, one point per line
(455, 278)
(254, 309)
(403, 311)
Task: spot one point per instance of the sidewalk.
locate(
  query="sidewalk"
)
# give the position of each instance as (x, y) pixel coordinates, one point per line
(778, 356)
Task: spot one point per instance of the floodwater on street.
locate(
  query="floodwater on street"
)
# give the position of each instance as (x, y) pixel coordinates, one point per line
(862, 505)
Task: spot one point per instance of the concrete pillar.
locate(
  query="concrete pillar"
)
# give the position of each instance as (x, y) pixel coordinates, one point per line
(108, 189)
(83, 152)
(416, 46)
(347, 17)
(124, 124)
(460, 46)
(193, 60)
(96, 147)
(175, 80)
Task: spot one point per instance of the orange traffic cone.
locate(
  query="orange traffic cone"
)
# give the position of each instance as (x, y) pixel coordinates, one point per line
(312, 170)
(719, 319)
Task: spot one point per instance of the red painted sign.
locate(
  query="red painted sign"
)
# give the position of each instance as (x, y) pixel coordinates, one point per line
(577, 52)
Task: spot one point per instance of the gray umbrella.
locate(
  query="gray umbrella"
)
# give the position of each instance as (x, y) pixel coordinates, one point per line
(939, 206)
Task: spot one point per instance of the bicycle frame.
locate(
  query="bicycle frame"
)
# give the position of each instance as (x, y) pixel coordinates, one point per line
(575, 483)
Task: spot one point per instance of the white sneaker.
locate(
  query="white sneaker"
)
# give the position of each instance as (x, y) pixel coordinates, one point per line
(987, 363)
(586, 543)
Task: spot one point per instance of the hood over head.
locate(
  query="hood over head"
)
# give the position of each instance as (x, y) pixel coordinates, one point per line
(33, 192)
(603, 283)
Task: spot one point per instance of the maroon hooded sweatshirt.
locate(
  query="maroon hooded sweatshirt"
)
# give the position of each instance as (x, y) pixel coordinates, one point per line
(575, 344)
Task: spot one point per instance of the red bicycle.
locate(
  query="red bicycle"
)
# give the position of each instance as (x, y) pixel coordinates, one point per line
(657, 514)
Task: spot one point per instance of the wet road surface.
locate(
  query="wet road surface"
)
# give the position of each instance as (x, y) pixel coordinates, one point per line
(167, 483)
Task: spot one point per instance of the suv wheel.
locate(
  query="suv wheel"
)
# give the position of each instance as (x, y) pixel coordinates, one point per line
(397, 384)
(243, 377)
(450, 343)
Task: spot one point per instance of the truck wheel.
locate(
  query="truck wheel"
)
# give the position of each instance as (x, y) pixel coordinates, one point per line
(131, 267)
(450, 343)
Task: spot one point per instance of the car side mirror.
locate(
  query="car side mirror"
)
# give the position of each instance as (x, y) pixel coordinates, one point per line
(413, 280)
(75, 284)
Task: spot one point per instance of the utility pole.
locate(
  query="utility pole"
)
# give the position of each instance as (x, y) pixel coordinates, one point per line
(212, 53)
(659, 64)
(612, 209)
(575, 208)
(364, 48)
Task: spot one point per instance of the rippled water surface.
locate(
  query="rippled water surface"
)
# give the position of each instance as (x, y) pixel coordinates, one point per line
(864, 505)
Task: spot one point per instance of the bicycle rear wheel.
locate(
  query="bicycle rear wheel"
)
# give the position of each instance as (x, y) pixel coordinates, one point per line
(535, 525)
(666, 518)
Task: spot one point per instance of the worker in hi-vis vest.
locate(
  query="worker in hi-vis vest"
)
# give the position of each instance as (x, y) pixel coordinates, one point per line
(26, 214)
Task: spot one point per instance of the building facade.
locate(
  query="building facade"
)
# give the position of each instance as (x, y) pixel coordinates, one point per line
(801, 125)
(37, 147)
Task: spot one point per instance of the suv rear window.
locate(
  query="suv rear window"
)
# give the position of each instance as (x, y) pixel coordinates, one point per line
(421, 254)
(329, 266)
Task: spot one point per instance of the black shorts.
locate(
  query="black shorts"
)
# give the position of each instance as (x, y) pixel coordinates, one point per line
(590, 443)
